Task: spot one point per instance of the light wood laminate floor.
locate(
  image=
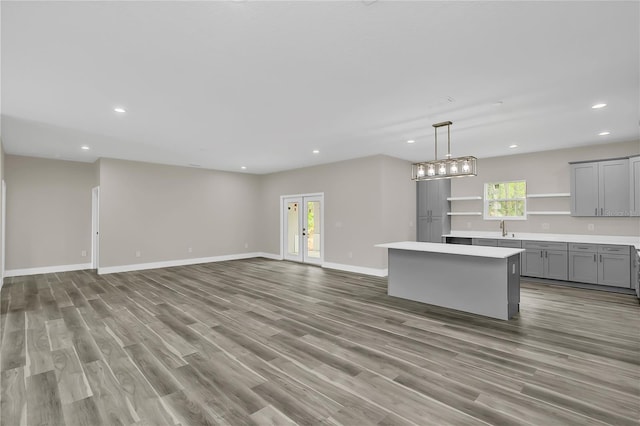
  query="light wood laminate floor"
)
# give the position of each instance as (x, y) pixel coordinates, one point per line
(266, 342)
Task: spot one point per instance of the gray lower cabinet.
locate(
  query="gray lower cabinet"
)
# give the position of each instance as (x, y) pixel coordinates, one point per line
(635, 272)
(489, 242)
(583, 267)
(613, 269)
(545, 260)
(430, 229)
(600, 264)
(533, 263)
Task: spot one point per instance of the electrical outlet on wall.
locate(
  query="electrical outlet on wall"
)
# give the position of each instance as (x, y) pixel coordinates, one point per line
(190, 250)
(469, 225)
(350, 255)
(246, 245)
(138, 253)
(591, 227)
(545, 226)
(83, 253)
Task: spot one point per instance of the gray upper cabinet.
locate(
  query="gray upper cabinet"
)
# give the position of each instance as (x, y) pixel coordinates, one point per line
(600, 188)
(634, 186)
(584, 189)
(432, 208)
(613, 190)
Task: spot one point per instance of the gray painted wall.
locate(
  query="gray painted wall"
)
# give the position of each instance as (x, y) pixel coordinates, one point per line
(161, 211)
(367, 201)
(545, 172)
(48, 212)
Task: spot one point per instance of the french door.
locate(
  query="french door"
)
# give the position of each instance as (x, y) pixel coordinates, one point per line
(302, 228)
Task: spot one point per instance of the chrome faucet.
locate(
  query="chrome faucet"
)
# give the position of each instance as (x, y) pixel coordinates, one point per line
(503, 226)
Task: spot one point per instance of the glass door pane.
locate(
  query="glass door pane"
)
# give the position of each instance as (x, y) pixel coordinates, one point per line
(313, 230)
(292, 222)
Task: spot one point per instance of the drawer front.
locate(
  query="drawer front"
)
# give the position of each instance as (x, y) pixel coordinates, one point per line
(613, 249)
(485, 242)
(588, 248)
(544, 245)
(510, 243)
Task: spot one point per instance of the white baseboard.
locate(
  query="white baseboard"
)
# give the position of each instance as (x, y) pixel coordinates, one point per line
(269, 256)
(357, 269)
(46, 270)
(180, 262)
(183, 262)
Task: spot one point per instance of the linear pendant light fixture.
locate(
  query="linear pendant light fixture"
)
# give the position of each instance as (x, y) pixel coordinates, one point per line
(446, 168)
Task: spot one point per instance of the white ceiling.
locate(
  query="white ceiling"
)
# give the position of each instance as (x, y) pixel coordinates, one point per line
(262, 84)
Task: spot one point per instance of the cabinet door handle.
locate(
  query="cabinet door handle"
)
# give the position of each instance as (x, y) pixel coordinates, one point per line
(601, 211)
(596, 212)
(541, 254)
(594, 258)
(545, 253)
(600, 258)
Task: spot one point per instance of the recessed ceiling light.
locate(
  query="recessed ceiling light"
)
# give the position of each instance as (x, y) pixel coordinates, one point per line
(598, 106)
(244, 167)
(513, 146)
(86, 148)
(604, 133)
(411, 141)
(315, 151)
(119, 109)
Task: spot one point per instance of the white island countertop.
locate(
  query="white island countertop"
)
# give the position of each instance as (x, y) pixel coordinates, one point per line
(463, 250)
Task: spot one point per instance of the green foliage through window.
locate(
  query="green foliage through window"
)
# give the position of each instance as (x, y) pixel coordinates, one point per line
(505, 200)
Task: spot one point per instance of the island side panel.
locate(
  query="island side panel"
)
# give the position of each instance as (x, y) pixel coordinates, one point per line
(467, 283)
(513, 289)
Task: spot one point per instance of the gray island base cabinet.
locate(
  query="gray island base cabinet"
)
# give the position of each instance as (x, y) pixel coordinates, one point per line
(479, 280)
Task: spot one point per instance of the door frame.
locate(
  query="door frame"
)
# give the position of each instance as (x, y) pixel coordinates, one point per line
(95, 227)
(3, 219)
(322, 225)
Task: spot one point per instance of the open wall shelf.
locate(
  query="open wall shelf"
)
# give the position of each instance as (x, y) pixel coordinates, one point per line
(550, 195)
(550, 213)
(463, 198)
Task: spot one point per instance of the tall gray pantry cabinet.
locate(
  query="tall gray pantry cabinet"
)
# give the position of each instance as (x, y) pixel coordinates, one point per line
(432, 207)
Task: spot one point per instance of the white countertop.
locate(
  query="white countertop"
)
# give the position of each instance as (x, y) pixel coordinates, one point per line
(569, 238)
(463, 250)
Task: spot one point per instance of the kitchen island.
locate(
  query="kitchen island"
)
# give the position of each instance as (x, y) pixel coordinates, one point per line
(476, 279)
